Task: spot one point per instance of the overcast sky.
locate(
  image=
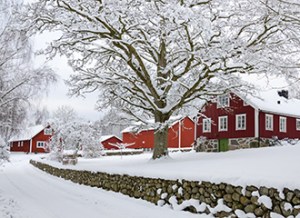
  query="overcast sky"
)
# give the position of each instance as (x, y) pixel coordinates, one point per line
(58, 93)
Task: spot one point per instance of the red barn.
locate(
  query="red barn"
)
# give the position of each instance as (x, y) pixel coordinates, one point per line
(109, 140)
(181, 135)
(234, 121)
(32, 140)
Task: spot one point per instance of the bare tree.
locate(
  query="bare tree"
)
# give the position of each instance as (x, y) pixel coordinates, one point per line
(113, 122)
(153, 58)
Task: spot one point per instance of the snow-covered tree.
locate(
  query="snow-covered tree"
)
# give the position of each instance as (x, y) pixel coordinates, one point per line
(153, 58)
(112, 123)
(90, 141)
(72, 133)
(4, 153)
(19, 80)
(65, 114)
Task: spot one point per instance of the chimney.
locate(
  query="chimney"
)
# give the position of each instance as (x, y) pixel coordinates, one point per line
(284, 93)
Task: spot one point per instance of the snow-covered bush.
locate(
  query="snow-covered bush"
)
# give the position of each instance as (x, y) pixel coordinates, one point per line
(75, 135)
(4, 153)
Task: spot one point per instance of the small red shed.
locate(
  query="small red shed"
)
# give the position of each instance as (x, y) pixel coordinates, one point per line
(32, 140)
(108, 142)
(181, 135)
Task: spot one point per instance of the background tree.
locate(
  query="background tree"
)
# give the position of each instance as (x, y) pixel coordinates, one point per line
(4, 153)
(19, 81)
(153, 58)
(112, 123)
(73, 133)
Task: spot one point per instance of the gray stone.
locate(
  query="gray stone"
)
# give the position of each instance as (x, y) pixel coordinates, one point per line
(236, 196)
(229, 189)
(191, 209)
(296, 201)
(285, 213)
(250, 208)
(244, 200)
(263, 191)
(254, 200)
(258, 212)
(289, 196)
(277, 209)
(228, 198)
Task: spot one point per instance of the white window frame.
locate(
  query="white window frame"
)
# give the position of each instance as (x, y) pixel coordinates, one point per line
(298, 124)
(220, 126)
(47, 131)
(223, 101)
(282, 124)
(237, 123)
(40, 142)
(269, 122)
(206, 125)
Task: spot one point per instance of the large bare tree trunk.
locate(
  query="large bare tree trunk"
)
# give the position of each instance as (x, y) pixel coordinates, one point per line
(160, 143)
(161, 136)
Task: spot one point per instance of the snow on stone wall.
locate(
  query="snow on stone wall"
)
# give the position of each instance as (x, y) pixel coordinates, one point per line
(220, 200)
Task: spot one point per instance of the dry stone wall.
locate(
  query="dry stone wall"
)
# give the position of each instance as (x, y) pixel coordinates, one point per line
(221, 200)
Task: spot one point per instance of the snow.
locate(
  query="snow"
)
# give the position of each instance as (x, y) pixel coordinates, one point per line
(26, 192)
(276, 167)
(265, 200)
(28, 133)
(105, 137)
(270, 101)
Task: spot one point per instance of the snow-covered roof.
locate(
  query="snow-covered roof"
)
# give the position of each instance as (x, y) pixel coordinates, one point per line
(28, 133)
(105, 137)
(270, 101)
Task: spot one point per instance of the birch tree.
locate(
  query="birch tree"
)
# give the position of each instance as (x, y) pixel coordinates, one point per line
(153, 58)
(19, 81)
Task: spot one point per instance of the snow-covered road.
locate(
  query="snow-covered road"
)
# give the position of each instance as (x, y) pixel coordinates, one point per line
(26, 192)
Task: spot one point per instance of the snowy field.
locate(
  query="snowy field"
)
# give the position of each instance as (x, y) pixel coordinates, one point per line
(26, 192)
(272, 167)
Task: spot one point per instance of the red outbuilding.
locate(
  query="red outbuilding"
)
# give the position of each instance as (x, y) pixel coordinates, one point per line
(109, 142)
(32, 140)
(234, 121)
(181, 135)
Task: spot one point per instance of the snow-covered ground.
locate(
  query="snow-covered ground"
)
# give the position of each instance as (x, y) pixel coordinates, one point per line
(276, 167)
(26, 192)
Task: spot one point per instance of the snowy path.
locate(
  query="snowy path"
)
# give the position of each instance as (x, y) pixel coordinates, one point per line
(26, 192)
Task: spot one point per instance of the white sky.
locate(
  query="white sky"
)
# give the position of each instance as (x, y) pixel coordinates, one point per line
(58, 92)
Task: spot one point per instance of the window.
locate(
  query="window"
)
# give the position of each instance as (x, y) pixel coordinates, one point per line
(40, 144)
(240, 122)
(206, 125)
(223, 101)
(297, 124)
(223, 123)
(22, 143)
(48, 131)
(19, 144)
(269, 122)
(282, 124)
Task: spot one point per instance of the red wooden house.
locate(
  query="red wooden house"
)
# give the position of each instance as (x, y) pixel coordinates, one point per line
(108, 142)
(181, 135)
(32, 140)
(234, 121)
